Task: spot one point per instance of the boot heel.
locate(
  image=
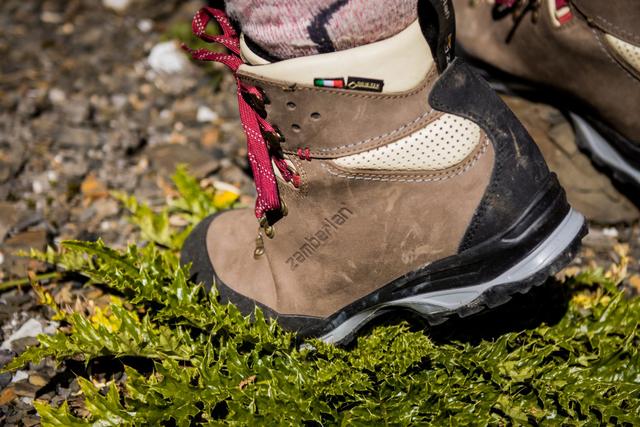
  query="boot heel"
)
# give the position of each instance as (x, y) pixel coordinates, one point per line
(603, 153)
(548, 258)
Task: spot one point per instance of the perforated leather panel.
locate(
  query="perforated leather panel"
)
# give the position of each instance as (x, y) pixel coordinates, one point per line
(442, 144)
(630, 53)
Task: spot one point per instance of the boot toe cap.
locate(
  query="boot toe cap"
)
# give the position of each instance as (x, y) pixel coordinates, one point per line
(220, 251)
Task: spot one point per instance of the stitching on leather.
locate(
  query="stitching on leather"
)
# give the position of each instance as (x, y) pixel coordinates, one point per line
(304, 181)
(348, 148)
(605, 22)
(434, 177)
(378, 141)
(375, 138)
(497, 175)
(427, 81)
(612, 59)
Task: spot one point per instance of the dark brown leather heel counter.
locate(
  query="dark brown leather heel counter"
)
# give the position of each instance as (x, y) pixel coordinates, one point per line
(519, 170)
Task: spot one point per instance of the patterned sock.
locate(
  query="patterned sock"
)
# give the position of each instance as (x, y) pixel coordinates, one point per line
(288, 29)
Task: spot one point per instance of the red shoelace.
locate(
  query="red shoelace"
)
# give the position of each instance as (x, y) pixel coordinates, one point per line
(563, 13)
(261, 153)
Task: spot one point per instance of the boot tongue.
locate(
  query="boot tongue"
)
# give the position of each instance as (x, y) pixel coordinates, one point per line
(249, 52)
(438, 24)
(392, 65)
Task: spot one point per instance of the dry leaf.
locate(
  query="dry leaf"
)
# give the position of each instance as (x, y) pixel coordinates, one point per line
(92, 188)
(7, 395)
(634, 281)
(245, 382)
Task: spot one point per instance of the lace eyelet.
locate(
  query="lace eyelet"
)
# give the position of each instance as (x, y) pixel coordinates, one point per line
(265, 98)
(269, 231)
(275, 139)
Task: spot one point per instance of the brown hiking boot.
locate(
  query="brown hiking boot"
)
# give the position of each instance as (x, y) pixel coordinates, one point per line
(582, 56)
(403, 183)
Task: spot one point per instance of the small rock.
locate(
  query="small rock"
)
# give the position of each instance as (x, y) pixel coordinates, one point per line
(19, 376)
(21, 344)
(184, 109)
(38, 380)
(29, 421)
(6, 356)
(145, 25)
(5, 380)
(104, 208)
(77, 138)
(119, 100)
(236, 177)
(167, 57)
(49, 17)
(31, 328)
(8, 218)
(206, 114)
(177, 138)
(57, 96)
(117, 5)
(39, 186)
(24, 389)
(76, 110)
(598, 241)
(165, 158)
(36, 239)
(68, 28)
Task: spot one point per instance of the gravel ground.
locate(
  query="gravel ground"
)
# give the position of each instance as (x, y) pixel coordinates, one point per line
(96, 98)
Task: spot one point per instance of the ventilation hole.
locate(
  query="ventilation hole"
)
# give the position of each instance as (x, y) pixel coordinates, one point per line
(295, 127)
(291, 105)
(315, 116)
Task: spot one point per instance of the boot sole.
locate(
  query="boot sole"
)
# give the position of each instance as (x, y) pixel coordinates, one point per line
(538, 244)
(548, 258)
(602, 153)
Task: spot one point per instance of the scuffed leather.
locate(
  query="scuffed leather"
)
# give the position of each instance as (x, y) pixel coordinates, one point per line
(396, 223)
(519, 171)
(620, 18)
(374, 119)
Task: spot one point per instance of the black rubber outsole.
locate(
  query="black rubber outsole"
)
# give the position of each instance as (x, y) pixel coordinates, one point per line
(492, 298)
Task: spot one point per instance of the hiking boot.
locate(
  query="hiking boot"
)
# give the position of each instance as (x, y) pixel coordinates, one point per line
(582, 56)
(402, 182)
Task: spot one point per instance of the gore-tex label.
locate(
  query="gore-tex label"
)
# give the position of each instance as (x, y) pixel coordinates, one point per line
(361, 83)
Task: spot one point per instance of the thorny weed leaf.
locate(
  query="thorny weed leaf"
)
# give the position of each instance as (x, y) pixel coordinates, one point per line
(212, 366)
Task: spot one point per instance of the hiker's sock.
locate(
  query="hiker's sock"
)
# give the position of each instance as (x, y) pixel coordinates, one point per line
(296, 28)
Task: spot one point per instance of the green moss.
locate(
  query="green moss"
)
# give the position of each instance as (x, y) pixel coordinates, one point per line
(213, 366)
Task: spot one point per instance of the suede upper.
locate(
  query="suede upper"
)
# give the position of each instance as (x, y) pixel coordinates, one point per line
(357, 240)
(374, 119)
(339, 221)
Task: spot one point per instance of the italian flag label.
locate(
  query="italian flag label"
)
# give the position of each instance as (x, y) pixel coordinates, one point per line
(331, 82)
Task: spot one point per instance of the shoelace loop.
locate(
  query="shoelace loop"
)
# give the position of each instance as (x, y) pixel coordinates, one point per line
(251, 101)
(519, 8)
